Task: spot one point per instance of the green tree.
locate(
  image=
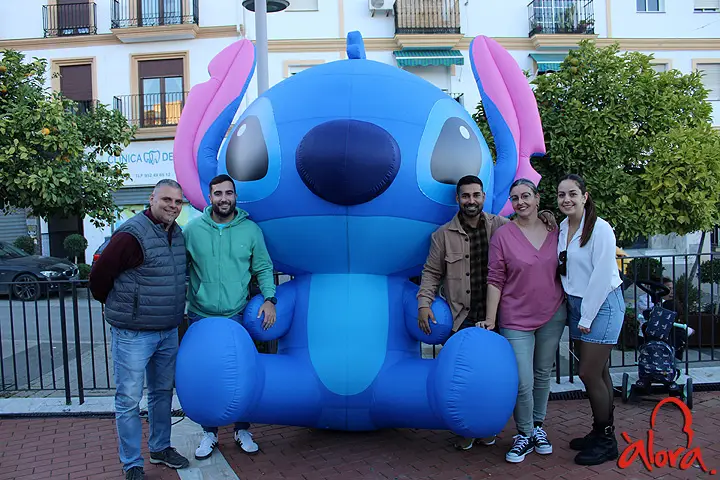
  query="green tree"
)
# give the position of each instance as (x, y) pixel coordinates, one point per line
(641, 139)
(50, 154)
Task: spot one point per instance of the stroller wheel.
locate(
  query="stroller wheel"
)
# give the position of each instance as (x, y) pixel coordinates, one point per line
(626, 391)
(689, 393)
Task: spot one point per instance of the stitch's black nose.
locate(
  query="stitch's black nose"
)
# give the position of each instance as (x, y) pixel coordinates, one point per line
(348, 162)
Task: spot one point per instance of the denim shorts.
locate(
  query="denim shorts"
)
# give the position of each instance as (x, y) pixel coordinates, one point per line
(607, 324)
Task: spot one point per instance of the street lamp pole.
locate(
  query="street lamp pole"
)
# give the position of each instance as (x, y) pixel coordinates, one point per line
(261, 45)
(261, 9)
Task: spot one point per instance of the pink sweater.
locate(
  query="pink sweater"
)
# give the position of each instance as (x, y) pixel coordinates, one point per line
(527, 277)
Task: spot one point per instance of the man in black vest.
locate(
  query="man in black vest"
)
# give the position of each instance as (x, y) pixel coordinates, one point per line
(140, 278)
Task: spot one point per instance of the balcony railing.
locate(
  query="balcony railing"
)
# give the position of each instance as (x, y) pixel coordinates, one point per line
(151, 109)
(69, 19)
(427, 16)
(81, 107)
(150, 13)
(561, 16)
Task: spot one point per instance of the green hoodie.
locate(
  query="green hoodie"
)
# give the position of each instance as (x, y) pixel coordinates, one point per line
(221, 262)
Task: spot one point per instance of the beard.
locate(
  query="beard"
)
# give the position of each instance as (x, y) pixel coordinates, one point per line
(471, 210)
(223, 210)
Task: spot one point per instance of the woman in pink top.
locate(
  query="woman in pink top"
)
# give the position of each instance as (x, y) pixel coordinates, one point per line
(526, 298)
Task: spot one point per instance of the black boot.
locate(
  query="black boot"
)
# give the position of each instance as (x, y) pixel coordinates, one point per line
(579, 444)
(601, 448)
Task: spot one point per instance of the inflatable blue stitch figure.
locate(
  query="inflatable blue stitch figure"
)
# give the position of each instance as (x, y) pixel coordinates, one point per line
(348, 167)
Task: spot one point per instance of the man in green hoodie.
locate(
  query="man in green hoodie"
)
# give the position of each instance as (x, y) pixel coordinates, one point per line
(225, 249)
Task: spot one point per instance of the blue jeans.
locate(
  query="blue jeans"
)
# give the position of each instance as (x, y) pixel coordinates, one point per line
(194, 317)
(135, 354)
(535, 354)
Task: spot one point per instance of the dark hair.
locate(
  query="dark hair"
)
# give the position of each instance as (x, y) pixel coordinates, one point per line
(168, 182)
(526, 182)
(468, 180)
(590, 214)
(220, 179)
(666, 280)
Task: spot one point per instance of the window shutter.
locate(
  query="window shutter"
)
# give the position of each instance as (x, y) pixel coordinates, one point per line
(711, 79)
(707, 4)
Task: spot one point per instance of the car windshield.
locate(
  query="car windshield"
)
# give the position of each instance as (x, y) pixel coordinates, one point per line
(11, 251)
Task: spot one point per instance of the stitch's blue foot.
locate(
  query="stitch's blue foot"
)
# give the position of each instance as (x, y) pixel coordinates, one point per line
(217, 372)
(474, 374)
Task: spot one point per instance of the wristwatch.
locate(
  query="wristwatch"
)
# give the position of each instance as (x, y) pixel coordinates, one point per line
(272, 300)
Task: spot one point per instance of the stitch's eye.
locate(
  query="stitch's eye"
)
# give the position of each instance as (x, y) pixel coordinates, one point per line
(251, 153)
(450, 148)
(457, 152)
(247, 155)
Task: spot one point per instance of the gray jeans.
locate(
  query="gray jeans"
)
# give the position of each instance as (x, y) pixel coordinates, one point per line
(535, 353)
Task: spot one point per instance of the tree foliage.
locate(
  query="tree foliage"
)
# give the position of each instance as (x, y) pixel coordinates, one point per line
(50, 152)
(642, 140)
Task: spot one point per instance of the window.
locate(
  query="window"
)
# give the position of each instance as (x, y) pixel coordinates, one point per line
(162, 95)
(711, 79)
(76, 83)
(160, 12)
(302, 6)
(651, 6)
(660, 67)
(707, 6)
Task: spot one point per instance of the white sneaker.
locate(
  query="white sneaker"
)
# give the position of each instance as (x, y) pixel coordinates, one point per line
(207, 445)
(522, 445)
(542, 444)
(244, 440)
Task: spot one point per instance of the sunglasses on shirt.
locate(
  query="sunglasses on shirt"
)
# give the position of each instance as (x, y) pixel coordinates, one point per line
(562, 268)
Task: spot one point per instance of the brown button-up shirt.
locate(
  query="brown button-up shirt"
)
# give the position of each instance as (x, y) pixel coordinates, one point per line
(448, 265)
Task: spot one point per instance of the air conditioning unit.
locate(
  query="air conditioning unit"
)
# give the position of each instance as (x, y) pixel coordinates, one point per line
(382, 5)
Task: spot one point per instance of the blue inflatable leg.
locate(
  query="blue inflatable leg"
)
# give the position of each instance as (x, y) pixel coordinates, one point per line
(469, 389)
(221, 378)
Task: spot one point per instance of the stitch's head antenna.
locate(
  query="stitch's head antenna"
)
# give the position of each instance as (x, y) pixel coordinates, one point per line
(355, 45)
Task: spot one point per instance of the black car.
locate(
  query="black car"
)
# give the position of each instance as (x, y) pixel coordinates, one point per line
(27, 277)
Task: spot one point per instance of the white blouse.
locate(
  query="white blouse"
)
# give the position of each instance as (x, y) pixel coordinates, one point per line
(592, 271)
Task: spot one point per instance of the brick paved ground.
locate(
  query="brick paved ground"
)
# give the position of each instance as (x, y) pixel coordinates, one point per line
(86, 448)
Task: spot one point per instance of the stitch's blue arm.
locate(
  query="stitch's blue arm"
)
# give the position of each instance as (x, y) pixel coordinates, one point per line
(440, 331)
(284, 310)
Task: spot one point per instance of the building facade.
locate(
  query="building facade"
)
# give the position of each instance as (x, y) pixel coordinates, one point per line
(143, 56)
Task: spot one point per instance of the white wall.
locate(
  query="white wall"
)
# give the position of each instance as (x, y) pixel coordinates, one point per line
(23, 22)
(678, 21)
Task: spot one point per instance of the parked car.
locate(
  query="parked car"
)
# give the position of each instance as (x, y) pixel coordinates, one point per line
(99, 250)
(27, 277)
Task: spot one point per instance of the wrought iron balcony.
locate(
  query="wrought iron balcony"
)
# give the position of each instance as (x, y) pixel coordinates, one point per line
(427, 16)
(69, 19)
(561, 17)
(81, 107)
(150, 13)
(151, 109)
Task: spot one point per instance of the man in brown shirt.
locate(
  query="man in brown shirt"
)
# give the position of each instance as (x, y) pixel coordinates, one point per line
(458, 262)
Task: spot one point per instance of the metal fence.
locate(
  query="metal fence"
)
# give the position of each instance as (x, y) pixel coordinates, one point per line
(151, 109)
(58, 340)
(69, 19)
(150, 13)
(561, 16)
(427, 16)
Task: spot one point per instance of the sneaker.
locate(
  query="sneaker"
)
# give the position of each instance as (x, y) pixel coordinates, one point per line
(207, 445)
(541, 442)
(522, 445)
(135, 473)
(244, 440)
(169, 457)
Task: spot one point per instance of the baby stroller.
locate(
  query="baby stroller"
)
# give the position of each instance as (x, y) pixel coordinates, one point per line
(657, 360)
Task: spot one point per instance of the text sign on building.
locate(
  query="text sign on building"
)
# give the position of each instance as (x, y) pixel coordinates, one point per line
(146, 162)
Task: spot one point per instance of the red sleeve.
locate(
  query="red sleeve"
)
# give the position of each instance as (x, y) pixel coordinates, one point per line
(123, 252)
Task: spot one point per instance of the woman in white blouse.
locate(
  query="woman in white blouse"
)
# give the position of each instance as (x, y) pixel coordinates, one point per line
(590, 278)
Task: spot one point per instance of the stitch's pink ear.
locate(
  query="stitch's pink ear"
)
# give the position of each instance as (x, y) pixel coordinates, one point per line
(512, 115)
(230, 73)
